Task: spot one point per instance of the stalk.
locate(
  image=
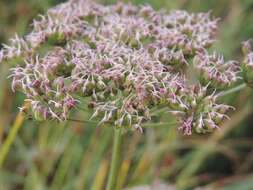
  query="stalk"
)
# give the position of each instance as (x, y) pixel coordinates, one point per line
(232, 90)
(115, 160)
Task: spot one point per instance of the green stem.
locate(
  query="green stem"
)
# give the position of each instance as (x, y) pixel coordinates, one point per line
(115, 160)
(232, 90)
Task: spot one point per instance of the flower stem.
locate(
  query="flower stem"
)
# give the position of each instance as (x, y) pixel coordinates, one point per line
(115, 160)
(232, 90)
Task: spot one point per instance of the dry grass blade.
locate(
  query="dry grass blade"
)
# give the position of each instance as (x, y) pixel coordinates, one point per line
(124, 170)
(99, 181)
(11, 136)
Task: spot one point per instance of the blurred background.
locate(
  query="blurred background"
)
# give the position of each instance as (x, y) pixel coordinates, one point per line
(76, 155)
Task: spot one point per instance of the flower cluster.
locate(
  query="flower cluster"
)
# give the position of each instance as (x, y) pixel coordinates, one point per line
(125, 60)
(247, 64)
(214, 70)
(201, 113)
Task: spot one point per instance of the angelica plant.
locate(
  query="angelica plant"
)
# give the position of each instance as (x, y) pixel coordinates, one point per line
(126, 61)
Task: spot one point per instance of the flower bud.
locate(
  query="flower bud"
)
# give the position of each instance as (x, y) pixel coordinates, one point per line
(247, 64)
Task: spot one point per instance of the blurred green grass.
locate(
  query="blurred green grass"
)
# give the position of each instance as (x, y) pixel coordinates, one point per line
(76, 155)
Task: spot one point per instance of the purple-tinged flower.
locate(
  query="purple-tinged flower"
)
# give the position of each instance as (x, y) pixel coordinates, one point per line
(247, 64)
(125, 60)
(201, 114)
(213, 70)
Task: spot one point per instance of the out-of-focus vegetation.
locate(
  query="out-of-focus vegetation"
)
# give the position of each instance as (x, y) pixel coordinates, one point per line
(76, 155)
